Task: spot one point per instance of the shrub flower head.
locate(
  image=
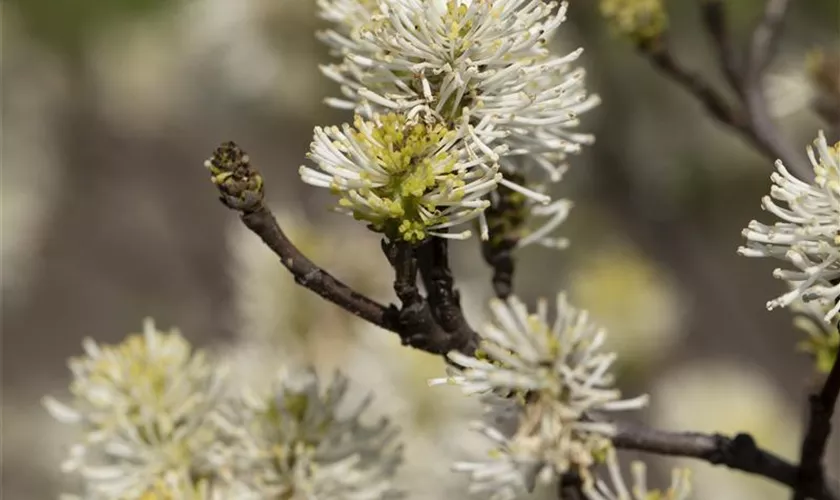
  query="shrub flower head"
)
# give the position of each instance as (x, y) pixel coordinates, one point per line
(449, 56)
(808, 235)
(556, 376)
(407, 178)
(294, 443)
(143, 406)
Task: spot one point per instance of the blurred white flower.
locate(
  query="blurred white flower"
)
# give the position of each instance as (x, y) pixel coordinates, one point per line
(680, 488)
(556, 376)
(628, 292)
(143, 406)
(295, 443)
(448, 56)
(809, 234)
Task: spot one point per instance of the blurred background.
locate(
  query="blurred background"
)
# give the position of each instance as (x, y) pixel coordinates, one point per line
(110, 108)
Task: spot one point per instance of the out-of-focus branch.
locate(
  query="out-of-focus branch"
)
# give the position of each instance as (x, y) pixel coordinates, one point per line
(714, 20)
(821, 406)
(570, 487)
(740, 453)
(712, 100)
(750, 116)
(765, 38)
(762, 48)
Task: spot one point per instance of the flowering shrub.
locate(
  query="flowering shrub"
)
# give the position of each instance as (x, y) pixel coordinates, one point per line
(462, 118)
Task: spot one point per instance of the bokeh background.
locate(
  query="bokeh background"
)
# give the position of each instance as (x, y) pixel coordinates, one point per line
(109, 109)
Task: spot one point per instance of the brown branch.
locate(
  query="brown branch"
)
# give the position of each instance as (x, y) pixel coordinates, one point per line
(436, 326)
(444, 299)
(570, 487)
(821, 404)
(418, 323)
(714, 20)
(763, 44)
(740, 453)
(711, 99)
(750, 117)
(765, 38)
(241, 189)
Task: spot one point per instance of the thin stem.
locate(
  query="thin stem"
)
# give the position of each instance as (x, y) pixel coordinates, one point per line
(444, 299)
(821, 405)
(764, 42)
(241, 189)
(714, 20)
(740, 453)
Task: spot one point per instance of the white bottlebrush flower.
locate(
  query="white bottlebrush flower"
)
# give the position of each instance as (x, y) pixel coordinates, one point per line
(808, 235)
(680, 488)
(447, 56)
(407, 178)
(143, 408)
(557, 376)
(295, 443)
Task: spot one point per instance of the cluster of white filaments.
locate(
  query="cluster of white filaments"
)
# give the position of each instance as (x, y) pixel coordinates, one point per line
(476, 68)
(555, 375)
(157, 423)
(143, 407)
(406, 178)
(680, 487)
(808, 235)
(294, 442)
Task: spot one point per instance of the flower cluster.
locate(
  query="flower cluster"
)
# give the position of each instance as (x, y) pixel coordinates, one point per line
(549, 379)
(808, 235)
(143, 408)
(293, 442)
(406, 178)
(156, 423)
(599, 490)
(471, 81)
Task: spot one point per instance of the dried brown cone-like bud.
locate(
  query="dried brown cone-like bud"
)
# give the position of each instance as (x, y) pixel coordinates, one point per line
(240, 185)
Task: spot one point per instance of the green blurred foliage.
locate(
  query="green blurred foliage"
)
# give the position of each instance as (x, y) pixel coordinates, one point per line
(68, 26)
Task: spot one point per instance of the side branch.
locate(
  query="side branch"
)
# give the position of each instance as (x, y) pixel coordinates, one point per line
(821, 406)
(436, 325)
(714, 20)
(749, 115)
(740, 453)
(762, 48)
(711, 99)
(241, 189)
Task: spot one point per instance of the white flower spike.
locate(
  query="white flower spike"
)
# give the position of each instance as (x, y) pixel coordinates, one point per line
(553, 376)
(446, 56)
(144, 408)
(808, 235)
